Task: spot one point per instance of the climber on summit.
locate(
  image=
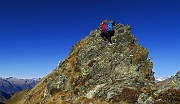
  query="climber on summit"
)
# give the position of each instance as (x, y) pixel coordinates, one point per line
(107, 31)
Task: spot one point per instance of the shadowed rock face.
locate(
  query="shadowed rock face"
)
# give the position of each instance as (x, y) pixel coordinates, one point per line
(4, 96)
(96, 72)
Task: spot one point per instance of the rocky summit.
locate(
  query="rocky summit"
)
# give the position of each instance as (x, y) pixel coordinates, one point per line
(96, 73)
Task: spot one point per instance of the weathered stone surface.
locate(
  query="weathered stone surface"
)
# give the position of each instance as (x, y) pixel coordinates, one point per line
(96, 72)
(167, 93)
(173, 82)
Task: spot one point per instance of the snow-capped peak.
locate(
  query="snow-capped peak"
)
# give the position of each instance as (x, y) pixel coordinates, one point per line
(157, 79)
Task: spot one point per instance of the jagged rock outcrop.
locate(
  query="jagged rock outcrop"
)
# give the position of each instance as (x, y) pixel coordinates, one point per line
(95, 72)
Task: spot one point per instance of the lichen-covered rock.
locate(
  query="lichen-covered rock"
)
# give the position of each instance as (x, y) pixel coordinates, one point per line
(96, 72)
(167, 93)
(173, 82)
(142, 98)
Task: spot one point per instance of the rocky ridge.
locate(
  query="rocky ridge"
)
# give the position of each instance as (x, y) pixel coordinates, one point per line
(168, 92)
(97, 73)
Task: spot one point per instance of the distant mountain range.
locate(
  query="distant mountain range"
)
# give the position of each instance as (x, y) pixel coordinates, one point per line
(9, 86)
(158, 79)
(12, 85)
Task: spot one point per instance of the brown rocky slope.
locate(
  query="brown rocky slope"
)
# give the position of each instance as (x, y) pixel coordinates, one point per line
(97, 73)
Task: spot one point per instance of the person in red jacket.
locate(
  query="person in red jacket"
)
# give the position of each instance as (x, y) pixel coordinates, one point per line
(103, 26)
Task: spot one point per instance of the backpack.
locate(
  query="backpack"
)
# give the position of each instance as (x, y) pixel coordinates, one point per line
(109, 26)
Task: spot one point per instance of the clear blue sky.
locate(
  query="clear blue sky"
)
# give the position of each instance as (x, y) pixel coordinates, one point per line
(36, 34)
